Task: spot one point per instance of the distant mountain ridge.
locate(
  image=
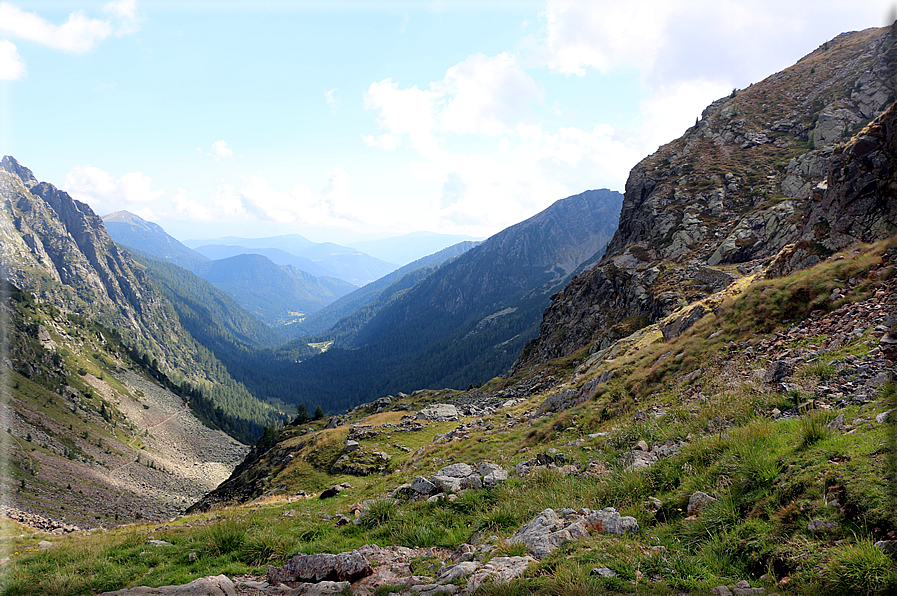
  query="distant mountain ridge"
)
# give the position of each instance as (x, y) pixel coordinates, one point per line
(147, 237)
(467, 321)
(321, 259)
(277, 294)
(327, 317)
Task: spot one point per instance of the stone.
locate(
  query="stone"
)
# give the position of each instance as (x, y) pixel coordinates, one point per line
(698, 500)
(44, 544)
(158, 543)
(423, 486)
(500, 570)
(777, 371)
(192, 557)
(537, 534)
(331, 492)
(643, 446)
(837, 423)
(495, 477)
(456, 471)
(722, 591)
(887, 546)
(450, 573)
(881, 418)
(604, 572)
(348, 566)
(821, 525)
(679, 325)
(219, 585)
(351, 446)
(439, 413)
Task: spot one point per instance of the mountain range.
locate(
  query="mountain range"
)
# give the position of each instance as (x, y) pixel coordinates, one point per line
(709, 358)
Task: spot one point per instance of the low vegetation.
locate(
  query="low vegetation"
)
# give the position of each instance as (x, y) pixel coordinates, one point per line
(770, 474)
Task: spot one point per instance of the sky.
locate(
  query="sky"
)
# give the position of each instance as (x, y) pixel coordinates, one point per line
(348, 119)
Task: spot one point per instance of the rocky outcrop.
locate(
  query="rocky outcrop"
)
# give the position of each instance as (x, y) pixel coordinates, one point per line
(553, 527)
(349, 566)
(858, 200)
(761, 169)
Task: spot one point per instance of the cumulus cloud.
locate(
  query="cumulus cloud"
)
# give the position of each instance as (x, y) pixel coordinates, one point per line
(78, 34)
(12, 67)
(478, 140)
(105, 193)
(220, 150)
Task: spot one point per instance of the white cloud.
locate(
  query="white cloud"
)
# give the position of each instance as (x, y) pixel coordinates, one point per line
(385, 142)
(79, 34)
(105, 193)
(485, 95)
(605, 35)
(479, 142)
(332, 100)
(220, 150)
(124, 16)
(12, 67)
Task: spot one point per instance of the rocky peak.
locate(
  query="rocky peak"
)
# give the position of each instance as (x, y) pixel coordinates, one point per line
(768, 166)
(9, 164)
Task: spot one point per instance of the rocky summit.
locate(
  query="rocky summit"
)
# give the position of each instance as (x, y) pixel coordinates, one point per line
(710, 406)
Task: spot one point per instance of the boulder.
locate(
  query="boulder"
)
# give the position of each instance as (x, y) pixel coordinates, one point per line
(500, 570)
(348, 566)
(456, 471)
(777, 371)
(422, 486)
(495, 477)
(439, 413)
(219, 585)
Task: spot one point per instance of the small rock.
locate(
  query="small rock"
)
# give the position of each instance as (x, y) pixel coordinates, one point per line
(880, 418)
(192, 557)
(887, 546)
(837, 423)
(820, 525)
(331, 492)
(698, 500)
(604, 572)
(44, 544)
(722, 591)
(643, 446)
(351, 446)
(158, 543)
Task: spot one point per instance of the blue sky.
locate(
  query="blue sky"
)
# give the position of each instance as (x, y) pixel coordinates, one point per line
(343, 120)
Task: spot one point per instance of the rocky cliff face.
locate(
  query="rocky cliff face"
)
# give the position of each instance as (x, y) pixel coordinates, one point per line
(768, 166)
(58, 249)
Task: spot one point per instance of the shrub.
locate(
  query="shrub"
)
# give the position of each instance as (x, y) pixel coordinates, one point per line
(813, 428)
(859, 568)
(380, 512)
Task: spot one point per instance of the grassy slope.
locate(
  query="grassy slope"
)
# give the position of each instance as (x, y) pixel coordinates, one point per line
(771, 476)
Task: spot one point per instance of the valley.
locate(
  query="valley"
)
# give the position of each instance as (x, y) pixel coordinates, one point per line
(688, 388)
